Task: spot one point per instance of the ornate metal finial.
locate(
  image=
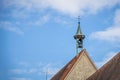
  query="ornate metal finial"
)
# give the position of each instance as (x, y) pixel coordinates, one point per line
(78, 19)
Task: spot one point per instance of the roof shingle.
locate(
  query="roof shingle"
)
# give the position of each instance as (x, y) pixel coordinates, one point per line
(109, 71)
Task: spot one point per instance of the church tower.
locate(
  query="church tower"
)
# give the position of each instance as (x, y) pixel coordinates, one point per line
(79, 37)
(81, 66)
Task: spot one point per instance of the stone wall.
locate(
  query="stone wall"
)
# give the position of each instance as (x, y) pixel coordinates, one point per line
(82, 69)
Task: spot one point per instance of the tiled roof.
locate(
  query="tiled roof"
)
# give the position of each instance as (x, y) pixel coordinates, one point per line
(65, 70)
(109, 71)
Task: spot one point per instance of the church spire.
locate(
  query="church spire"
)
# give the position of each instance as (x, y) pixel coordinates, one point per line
(79, 32)
(79, 37)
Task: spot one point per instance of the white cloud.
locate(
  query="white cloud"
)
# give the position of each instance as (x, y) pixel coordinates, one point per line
(63, 21)
(38, 22)
(117, 18)
(24, 71)
(39, 69)
(23, 10)
(111, 34)
(75, 7)
(24, 64)
(14, 26)
(105, 59)
(11, 27)
(42, 20)
(18, 71)
(70, 7)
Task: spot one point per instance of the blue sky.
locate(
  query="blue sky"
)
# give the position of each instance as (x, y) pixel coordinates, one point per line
(37, 35)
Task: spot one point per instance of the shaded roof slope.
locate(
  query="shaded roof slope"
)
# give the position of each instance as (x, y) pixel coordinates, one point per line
(109, 71)
(66, 69)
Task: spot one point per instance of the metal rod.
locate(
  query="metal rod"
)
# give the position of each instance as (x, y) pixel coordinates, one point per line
(46, 74)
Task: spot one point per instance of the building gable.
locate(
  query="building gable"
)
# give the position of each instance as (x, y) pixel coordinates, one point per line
(79, 68)
(82, 68)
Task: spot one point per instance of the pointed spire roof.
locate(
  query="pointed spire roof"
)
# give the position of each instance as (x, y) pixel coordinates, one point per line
(79, 32)
(72, 66)
(109, 71)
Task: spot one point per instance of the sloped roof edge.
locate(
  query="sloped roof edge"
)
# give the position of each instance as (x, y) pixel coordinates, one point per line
(66, 69)
(109, 71)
